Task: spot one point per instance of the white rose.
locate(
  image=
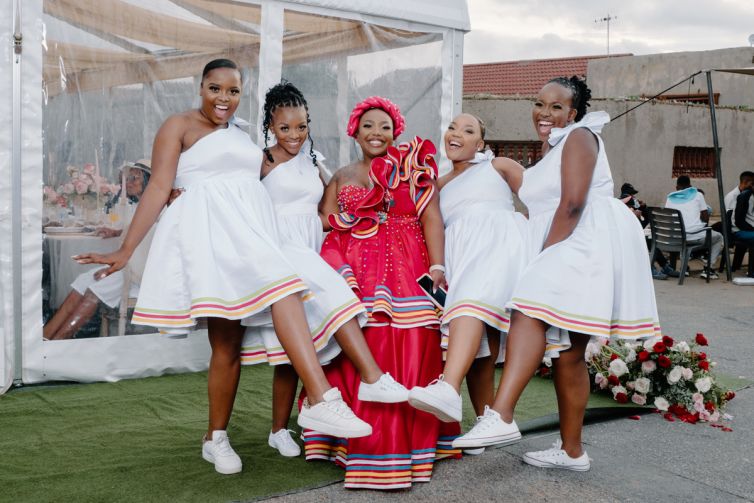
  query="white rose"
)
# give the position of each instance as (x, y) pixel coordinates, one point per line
(648, 366)
(714, 416)
(618, 367)
(642, 385)
(630, 385)
(681, 347)
(698, 406)
(618, 389)
(649, 343)
(661, 404)
(631, 356)
(688, 374)
(704, 415)
(547, 361)
(639, 399)
(592, 350)
(600, 381)
(697, 397)
(675, 374)
(704, 384)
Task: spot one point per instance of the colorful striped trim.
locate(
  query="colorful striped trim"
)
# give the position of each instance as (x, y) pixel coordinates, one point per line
(221, 308)
(252, 355)
(404, 312)
(378, 471)
(347, 274)
(491, 315)
(626, 329)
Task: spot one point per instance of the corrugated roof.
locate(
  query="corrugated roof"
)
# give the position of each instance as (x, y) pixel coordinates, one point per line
(521, 78)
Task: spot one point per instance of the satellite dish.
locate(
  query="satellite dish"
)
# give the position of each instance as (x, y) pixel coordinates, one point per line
(751, 40)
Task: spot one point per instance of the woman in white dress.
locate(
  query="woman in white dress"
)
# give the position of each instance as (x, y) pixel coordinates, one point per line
(290, 173)
(216, 254)
(589, 275)
(484, 254)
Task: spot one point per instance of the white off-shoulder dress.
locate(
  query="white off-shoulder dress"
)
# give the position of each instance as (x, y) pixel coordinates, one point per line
(597, 281)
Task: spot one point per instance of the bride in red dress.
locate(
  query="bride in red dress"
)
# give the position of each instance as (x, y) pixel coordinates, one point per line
(387, 232)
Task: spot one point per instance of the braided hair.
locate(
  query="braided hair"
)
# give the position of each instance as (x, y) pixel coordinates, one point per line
(280, 95)
(580, 93)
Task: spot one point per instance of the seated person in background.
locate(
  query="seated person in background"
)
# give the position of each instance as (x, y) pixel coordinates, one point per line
(627, 193)
(87, 292)
(745, 180)
(743, 214)
(690, 202)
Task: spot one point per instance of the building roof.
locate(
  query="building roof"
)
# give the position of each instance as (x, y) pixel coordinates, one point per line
(521, 78)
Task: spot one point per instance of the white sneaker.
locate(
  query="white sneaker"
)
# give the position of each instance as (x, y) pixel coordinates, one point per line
(284, 443)
(439, 399)
(333, 417)
(219, 452)
(385, 390)
(490, 429)
(555, 457)
(474, 452)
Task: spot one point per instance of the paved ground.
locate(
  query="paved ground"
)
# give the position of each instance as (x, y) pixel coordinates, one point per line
(646, 460)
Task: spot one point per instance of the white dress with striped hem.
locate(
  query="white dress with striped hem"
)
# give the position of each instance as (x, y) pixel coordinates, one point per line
(216, 250)
(597, 281)
(296, 189)
(484, 249)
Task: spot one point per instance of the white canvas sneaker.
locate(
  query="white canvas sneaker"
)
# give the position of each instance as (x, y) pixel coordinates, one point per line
(439, 399)
(555, 457)
(219, 452)
(490, 429)
(284, 443)
(384, 390)
(333, 417)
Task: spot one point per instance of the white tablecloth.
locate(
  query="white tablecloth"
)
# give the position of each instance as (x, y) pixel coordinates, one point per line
(59, 249)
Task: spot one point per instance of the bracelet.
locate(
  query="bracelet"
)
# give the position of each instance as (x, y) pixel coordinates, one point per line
(437, 267)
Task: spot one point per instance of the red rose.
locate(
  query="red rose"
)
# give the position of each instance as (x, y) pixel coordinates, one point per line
(701, 339)
(704, 365)
(668, 341)
(701, 356)
(613, 380)
(621, 398)
(643, 356)
(668, 417)
(709, 406)
(664, 362)
(730, 395)
(678, 410)
(659, 347)
(614, 357)
(544, 371)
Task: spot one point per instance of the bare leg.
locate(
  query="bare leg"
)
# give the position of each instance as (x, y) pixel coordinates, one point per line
(572, 389)
(292, 330)
(78, 318)
(70, 303)
(225, 338)
(465, 335)
(480, 380)
(284, 383)
(352, 342)
(524, 351)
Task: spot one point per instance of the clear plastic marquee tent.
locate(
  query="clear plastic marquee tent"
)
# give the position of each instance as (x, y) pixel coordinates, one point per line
(84, 86)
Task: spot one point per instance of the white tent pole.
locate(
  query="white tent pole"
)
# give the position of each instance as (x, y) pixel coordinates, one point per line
(270, 57)
(342, 113)
(452, 86)
(16, 263)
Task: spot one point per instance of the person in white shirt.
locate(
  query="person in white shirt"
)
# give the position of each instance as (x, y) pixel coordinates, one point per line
(695, 212)
(744, 180)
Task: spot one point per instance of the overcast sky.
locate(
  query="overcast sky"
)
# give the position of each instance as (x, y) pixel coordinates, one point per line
(507, 30)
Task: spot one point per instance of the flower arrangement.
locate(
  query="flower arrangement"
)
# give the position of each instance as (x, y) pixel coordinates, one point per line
(675, 377)
(84, 183)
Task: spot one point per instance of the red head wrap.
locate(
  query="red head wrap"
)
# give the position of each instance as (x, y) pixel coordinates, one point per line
(384, 104)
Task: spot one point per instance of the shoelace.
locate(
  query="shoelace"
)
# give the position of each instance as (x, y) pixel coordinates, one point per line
(223, 447)
(556, 446)
(387, 382)
(287, 439)
(483, 422)
(339, 407)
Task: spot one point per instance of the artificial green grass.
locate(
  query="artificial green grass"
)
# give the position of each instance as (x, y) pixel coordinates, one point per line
(140, 440)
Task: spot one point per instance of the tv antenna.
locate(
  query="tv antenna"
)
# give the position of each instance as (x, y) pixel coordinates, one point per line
(607, 20)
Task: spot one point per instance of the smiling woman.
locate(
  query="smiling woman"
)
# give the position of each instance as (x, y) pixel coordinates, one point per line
(216, 255)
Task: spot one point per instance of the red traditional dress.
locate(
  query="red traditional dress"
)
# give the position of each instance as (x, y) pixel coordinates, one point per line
(378, 245)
